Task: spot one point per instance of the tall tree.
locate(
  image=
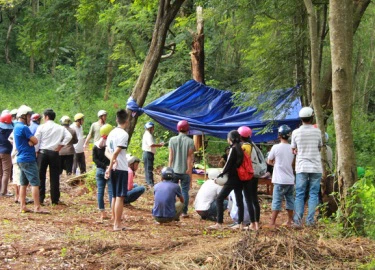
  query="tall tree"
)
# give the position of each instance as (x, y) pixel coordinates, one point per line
(166, 13)
(341, 39)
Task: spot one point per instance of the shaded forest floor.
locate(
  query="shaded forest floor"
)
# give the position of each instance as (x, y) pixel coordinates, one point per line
(73, 237)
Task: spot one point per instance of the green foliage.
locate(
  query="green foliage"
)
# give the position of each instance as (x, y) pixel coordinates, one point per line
(362, 201)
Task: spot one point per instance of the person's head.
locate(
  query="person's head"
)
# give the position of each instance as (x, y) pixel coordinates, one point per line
(306, 114)
(245, 133)
(105, 130)
(14, 114)
(102, 115)
(133, 162)
(284, 132)
(149, 126)
(36, 117)
(79, 119)
(167, 173)
(121, 116)
(183, 126)
(49, 114)
(65, 120)
(6, 118)
(233, 137)
(24, 114)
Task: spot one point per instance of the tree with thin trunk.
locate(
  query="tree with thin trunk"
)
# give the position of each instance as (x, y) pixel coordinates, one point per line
(166, 13)
(341, 39)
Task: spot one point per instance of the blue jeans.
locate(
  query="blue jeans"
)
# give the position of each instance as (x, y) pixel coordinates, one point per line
(100, 183)
(148, 160)
(185, 187)
(302, 179)
(134, 194)
(279, 193)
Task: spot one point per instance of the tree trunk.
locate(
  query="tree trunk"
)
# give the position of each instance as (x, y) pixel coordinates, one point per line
(111, 38)
(300, 50)
(315, 47)
(197, 63)
(34, 7)
(166, 14)
(12, 21)
(341, 39)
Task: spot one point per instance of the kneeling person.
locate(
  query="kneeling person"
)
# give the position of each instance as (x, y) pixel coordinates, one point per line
(166, 209)
(134, 190)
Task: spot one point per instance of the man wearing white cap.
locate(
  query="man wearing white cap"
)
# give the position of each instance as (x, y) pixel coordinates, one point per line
(306, 144)
(149, 149)
(95, 128)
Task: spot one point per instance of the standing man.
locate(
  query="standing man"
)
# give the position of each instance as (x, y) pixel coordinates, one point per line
(149, 149)
(95, 128)
(26, 159)
(51, 138)
(67, 151)
(117, 171)
(306, 144)
(79, 155)
(181, 151)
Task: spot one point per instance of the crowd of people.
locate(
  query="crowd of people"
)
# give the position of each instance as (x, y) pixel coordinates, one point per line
(28, 149)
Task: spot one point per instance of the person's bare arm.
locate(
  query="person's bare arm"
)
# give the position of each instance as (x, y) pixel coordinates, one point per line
(170, 159)
(181, 199)
(189, 171)
(112, 161)
(270, 162)
(33, 141)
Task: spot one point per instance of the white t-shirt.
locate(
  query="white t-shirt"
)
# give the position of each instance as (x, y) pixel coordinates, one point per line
(307, 140)
(78, 147)
(118, 137)
(147, 141)
(283, 168)
(206, 195)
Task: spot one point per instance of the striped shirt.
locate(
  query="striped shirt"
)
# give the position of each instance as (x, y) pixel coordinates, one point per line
(308, 141)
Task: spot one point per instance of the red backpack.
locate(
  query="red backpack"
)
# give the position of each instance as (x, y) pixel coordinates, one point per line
(245, 171)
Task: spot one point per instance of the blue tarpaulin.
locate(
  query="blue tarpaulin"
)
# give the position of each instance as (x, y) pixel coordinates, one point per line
(213, 112)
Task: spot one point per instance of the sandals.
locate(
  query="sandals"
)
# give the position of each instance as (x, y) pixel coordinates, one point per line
(217, 226)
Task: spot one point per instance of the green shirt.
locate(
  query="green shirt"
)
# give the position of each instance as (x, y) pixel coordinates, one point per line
(180, 146)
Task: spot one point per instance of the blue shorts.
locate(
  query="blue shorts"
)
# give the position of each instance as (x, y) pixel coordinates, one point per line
(279, 193)
(119, 183)
(29, 174)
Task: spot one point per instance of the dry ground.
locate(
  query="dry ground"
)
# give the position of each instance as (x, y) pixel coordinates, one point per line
(73, 238)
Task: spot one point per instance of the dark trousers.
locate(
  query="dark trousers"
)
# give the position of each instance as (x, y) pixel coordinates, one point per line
(79, 161)
(66, 163)
(148, 160)
(51, 159)
(220, 202)
(250, 189)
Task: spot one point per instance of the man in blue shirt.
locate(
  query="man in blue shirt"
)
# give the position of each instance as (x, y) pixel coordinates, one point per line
(26, 159)
(166, 209)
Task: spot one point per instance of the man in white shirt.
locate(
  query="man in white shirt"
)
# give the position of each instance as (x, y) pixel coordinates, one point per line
(117, 171)
(149, 149)
(79, 160)
(51, 138)
(282, 158)
(306, 144)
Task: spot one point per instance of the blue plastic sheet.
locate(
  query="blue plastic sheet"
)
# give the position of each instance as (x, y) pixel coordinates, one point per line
(213, 112)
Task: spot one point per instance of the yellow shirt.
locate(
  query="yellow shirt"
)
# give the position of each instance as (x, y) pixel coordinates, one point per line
(247, 148)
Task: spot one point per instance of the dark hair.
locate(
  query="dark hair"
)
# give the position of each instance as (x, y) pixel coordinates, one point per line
(307, 119)
(121, 116)
(235, 138)
(50, 113)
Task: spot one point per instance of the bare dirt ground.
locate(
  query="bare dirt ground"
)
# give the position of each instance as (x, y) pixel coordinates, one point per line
(72, 237)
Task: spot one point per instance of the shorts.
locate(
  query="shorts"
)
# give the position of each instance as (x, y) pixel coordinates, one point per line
(119, 183)
(16, 174)
(279, 193)
(29, 174)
